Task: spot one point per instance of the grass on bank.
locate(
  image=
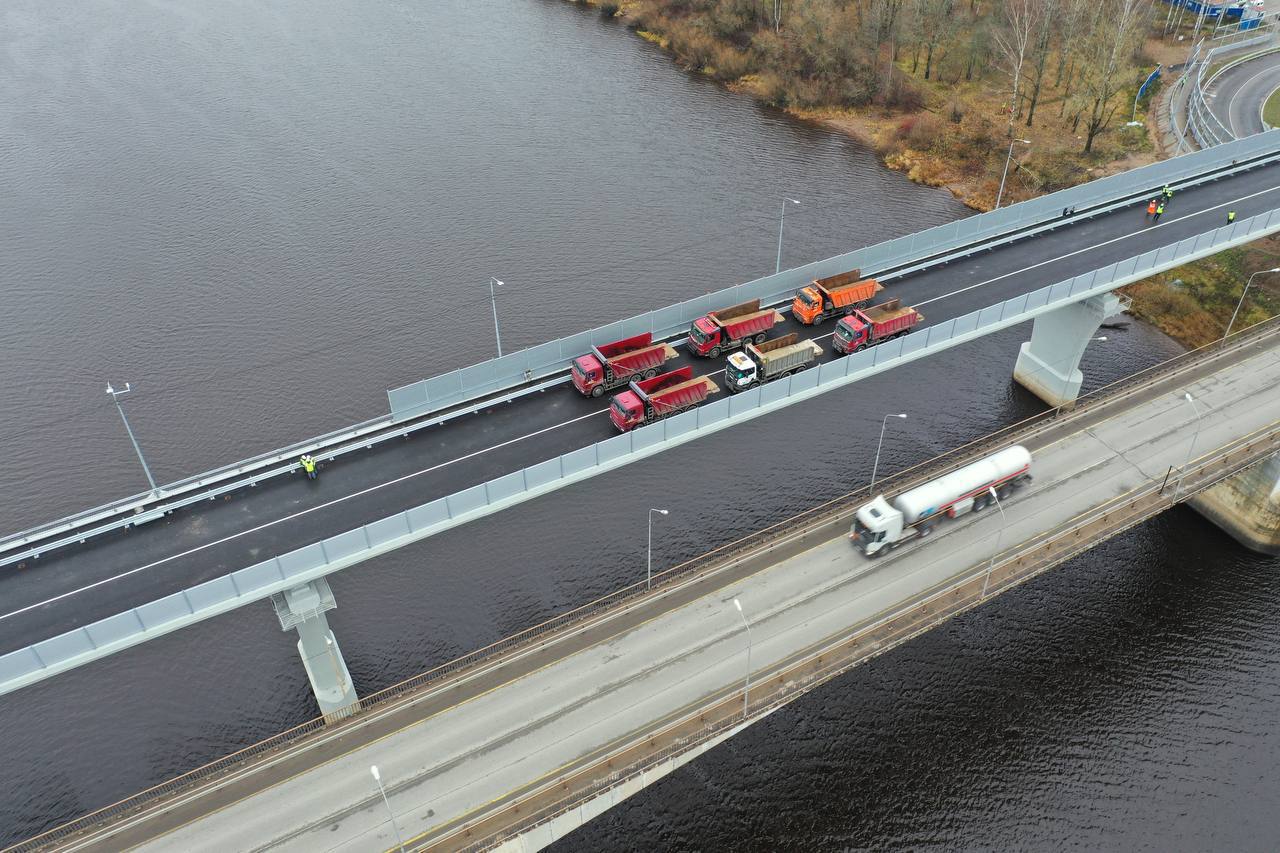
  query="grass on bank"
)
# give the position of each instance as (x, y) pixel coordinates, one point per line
(1271, 110)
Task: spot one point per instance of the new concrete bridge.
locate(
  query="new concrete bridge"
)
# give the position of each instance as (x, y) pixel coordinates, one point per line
(98, 577)
(517, 746)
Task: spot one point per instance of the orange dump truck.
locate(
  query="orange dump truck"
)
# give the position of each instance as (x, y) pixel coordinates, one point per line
(833, 296)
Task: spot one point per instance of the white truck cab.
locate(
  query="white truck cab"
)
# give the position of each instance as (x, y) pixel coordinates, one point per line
(741, 370)
(876, 525)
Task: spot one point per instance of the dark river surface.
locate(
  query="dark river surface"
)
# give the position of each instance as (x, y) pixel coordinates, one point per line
(264, 215)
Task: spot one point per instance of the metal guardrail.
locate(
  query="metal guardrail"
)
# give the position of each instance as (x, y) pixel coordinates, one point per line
(1205, 126)
(723, 714)
(107, 636)
(834, 510)
(887, 260)
(463, 391)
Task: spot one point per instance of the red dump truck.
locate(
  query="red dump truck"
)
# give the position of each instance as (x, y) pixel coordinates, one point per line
(650, 400)
(833, 296)
(728, 328)
(865, 328)
(610, 365)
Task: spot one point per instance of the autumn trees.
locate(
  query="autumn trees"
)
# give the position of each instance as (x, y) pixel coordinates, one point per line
(1070, 63)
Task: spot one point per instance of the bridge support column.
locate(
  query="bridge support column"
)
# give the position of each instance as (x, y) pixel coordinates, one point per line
(1247, 506)
(302, 609)
(1049, 364)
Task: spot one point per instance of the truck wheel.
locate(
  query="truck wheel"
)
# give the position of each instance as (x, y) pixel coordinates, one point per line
(715, 353)
(860, 347)
(802, 368)
(597, 391)
(979, 504)
(759, 339)
(650, 373)
(1004, 491)
(925, 530)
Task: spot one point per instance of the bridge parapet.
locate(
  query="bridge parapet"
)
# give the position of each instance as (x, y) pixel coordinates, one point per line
(277, 574)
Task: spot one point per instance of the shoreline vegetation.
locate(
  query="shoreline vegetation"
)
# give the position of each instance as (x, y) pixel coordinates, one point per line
(943, 89)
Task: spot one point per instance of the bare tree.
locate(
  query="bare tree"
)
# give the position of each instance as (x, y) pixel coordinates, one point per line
(1040, 53)
(1108, 61)
(1021, 21)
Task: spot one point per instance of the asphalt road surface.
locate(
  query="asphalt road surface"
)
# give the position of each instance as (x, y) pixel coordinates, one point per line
(1237, 96)
(471, 752)
(77, 585)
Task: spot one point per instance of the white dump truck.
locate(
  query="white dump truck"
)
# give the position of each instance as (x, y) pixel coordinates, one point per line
(880, 525)
(759, 363)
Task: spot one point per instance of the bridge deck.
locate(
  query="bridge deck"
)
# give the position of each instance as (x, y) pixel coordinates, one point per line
(124, 570)
(466, 747)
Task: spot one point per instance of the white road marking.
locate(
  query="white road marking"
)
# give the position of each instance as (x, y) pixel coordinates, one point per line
(1231, 105)
(472, 455)
(1091, 248)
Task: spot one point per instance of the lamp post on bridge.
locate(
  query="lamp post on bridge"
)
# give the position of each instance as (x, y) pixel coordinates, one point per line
(746, 689)
(493, 300)
(648, 581)
(1234, 313)
(1177, 489)
(377, 777)
(783, 218)
(115, 397)
(876, 465)
(1005, 173)
(999, 534)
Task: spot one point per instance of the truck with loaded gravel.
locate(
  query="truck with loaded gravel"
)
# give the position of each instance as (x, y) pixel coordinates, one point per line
(729, 328)
(758, 363)
(879, 323)
(610, 365)
(833, 296)
(650, 400)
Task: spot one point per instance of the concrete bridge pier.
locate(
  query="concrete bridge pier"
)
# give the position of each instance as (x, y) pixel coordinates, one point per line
(1049, 364)
(1247, 506)
(302, 609)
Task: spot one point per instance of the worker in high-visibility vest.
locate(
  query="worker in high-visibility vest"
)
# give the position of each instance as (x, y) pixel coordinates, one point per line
(1231, 216)
(308, 465)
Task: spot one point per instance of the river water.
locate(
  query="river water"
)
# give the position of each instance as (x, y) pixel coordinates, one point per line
(265, 215)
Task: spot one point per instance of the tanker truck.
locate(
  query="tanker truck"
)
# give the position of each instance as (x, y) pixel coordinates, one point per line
(881, 525)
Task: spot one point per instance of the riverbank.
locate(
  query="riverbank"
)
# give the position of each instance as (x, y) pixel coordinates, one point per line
(945, 123)
(929, 98)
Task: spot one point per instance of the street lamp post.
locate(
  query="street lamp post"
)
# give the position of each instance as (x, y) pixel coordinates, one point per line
(999, 534)
(648, 582)
(876, 465)
(493, 300)
(783, 218)
(377, 777)
(746, 690)
(1177, 489)
(1005, 173)
(115, 396)
(1234, 313)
